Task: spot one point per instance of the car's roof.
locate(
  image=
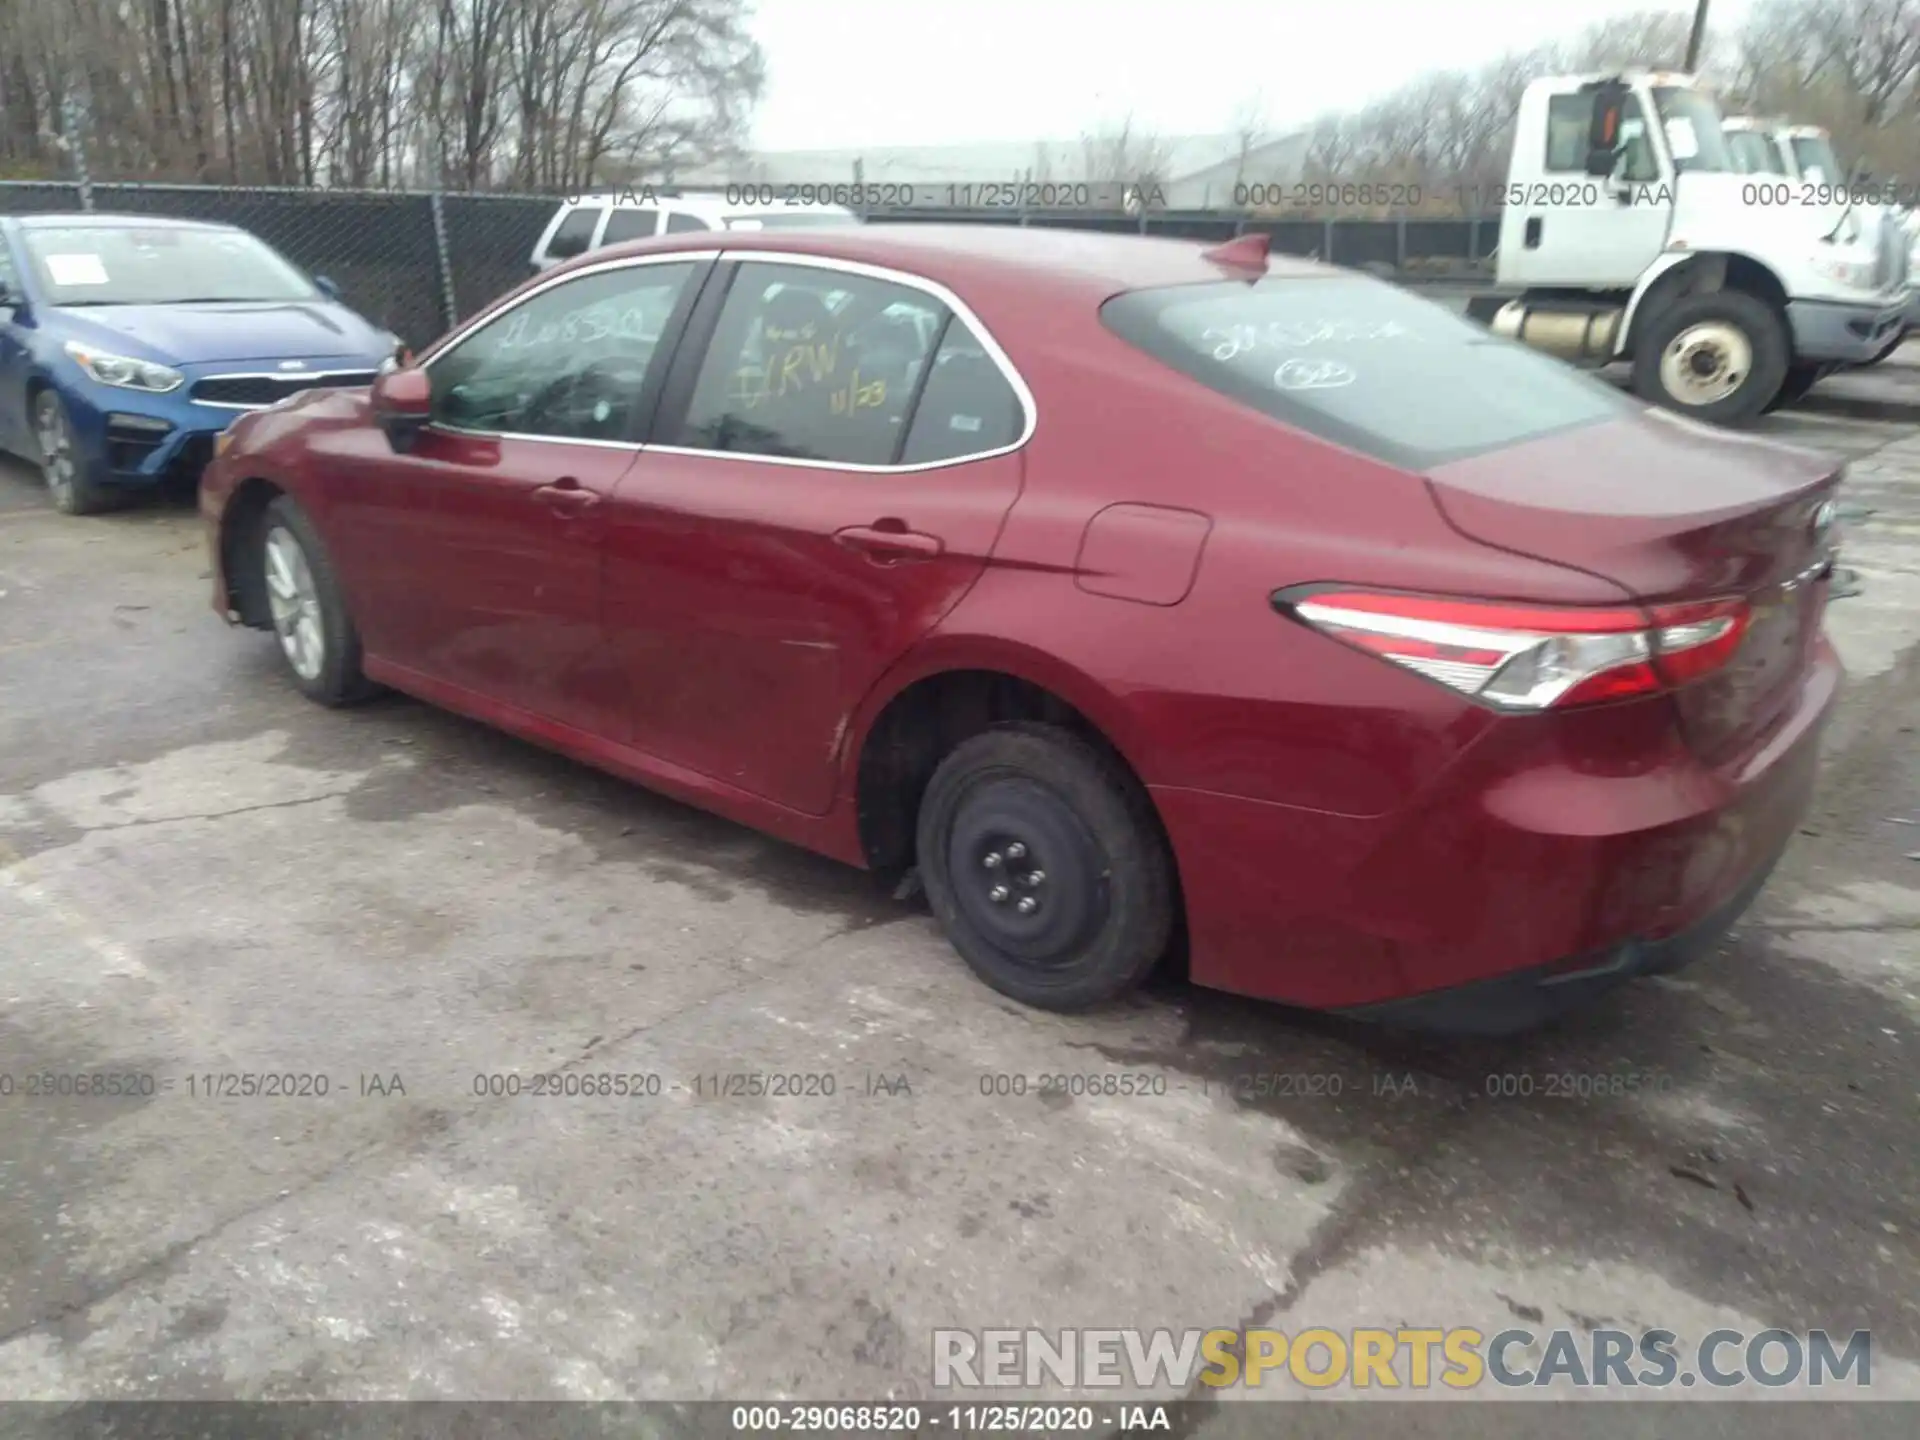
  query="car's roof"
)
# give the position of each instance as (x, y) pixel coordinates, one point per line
(1087, 260)
(68, 220)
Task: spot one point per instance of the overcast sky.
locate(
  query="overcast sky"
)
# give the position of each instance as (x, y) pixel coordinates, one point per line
(845, 73)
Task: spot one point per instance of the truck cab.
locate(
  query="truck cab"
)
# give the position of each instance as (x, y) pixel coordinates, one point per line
(1631, 233)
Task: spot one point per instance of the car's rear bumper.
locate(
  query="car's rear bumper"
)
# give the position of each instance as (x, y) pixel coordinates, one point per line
(1561, 853)
(1848, 333)
(1523, 999)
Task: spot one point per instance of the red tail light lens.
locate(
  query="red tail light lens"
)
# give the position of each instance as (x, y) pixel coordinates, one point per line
(1528, 657)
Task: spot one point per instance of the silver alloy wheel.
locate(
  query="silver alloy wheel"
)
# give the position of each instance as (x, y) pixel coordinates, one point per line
(55, 438)
(1706, 363)
(295, 602)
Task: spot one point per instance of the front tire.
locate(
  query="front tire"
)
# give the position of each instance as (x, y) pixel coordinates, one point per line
(1719, 357)
(1045, 864)
(1801, 378)
(63, 465)
(316, 635)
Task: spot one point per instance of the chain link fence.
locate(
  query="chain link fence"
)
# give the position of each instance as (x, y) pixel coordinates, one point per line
(418, 263)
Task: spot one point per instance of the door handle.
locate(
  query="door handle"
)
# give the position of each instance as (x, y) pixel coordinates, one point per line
(567, 496)
(885, 543)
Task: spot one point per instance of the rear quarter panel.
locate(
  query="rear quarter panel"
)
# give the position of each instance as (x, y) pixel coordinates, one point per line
(1218, 692)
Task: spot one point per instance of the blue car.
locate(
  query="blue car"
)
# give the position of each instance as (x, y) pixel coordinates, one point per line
(127, 343)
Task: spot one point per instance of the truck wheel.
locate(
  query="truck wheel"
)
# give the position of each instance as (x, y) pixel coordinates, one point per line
(1718, 357)
(1800, 379)
(1044, 862)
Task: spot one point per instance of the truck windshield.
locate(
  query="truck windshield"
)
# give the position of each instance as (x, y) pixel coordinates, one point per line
(1754, 153)
(1362, 364)
(1696, 131)
(1818, 164)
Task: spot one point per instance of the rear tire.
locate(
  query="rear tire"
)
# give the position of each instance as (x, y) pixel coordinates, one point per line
(315, 633)
(1044, 862)
(1719, 357)
(64, 466)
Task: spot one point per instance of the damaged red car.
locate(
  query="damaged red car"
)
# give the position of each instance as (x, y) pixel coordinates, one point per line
(1137, 595)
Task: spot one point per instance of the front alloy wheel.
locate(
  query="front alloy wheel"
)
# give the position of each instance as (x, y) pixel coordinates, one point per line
(294, 601)
(307, 607)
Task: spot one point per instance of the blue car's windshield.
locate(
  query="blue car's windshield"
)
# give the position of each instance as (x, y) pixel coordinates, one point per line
(157, 265)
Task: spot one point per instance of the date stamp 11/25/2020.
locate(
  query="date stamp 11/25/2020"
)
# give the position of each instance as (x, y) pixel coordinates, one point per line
(1335, 1085)
(1015, 194)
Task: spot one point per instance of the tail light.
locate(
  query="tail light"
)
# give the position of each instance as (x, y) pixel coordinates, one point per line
(1527, 657)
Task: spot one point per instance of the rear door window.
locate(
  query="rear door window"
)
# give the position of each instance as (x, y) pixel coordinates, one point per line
(814, 364)
(679, 222)
(1363, 364)
(575, 234)
(630, 225)
(966, 406)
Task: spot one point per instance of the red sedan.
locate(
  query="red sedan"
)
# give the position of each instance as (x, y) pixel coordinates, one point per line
(1121, 586)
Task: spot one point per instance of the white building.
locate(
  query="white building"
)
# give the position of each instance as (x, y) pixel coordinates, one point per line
(1192, 172)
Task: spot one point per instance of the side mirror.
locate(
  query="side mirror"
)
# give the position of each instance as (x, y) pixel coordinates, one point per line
(326, 287)
(1603, 129)
(402, 405)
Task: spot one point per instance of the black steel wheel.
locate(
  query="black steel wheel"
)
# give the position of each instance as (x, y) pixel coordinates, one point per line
(1042, 858)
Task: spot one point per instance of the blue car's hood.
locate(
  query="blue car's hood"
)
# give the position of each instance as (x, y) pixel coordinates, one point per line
(249, 330)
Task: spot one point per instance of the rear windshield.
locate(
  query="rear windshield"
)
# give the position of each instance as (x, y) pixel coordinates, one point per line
(1363, 364)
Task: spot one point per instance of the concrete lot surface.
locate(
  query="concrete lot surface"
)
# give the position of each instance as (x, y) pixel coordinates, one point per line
(201, 874)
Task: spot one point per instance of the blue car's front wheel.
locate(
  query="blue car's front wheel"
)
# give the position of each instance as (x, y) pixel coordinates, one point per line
(63, 464)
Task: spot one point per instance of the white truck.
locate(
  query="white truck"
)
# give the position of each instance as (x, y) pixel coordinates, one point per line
(1803, 156)
(1629, 234)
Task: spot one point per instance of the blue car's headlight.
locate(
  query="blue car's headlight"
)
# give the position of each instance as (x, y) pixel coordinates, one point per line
(124, 372)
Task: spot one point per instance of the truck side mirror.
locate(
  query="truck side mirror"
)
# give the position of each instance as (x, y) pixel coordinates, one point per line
(1603, 130)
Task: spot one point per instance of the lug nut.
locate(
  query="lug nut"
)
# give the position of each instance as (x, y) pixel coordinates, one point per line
(998, 894)
(1036, 877)
(992, 862)
(1016, 850)
(1027, 905)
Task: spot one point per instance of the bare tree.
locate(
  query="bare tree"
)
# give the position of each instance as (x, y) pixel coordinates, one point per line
(1125, 153)
(469, 93)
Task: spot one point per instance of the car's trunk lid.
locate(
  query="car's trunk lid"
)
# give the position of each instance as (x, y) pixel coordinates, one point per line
(1672, 511)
